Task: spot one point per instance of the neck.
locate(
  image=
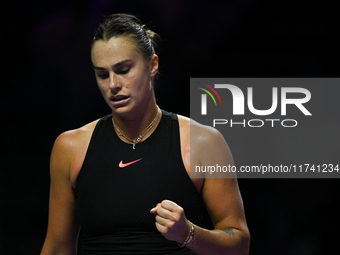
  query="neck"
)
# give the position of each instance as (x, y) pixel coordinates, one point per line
(136, 125)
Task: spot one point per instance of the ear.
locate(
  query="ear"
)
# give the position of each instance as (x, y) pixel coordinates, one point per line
(154, 65)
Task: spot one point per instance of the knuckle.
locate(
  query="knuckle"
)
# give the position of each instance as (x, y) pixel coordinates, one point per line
(169, 225)
(175, 217)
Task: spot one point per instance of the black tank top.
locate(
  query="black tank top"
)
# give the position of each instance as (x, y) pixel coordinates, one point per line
(117, 187)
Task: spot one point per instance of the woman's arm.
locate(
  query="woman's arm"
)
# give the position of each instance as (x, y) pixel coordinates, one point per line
(221, 197)
(63, 230)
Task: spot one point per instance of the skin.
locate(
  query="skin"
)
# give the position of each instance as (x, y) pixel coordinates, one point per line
(123, 73)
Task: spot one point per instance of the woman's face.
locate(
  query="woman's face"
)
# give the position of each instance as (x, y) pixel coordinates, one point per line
(124, 77)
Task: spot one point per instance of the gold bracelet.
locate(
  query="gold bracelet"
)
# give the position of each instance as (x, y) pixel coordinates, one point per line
(190, 237)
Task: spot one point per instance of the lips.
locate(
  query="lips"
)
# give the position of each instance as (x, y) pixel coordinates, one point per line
(118, 97)
(119, 100)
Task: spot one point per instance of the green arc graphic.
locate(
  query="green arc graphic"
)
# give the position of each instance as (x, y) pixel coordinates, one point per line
(209, 94)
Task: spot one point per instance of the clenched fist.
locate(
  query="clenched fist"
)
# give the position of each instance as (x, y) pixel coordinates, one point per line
(171, 221)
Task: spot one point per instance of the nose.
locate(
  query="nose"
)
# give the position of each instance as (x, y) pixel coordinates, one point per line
(114, 85)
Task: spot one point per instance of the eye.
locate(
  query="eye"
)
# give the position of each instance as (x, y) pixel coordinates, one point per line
(102, 75)
(124, 70)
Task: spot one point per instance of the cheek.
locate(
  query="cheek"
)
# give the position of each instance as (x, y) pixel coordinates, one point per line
(140, 83)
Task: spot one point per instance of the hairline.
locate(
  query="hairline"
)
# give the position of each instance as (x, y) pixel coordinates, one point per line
(127, 36)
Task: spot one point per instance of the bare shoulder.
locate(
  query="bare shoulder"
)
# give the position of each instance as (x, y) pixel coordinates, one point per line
(69, 151)
(76, 135)
(206, 144)
(200, 134)
(71, 139)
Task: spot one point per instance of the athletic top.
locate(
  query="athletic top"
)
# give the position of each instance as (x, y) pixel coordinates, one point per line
(118, 186)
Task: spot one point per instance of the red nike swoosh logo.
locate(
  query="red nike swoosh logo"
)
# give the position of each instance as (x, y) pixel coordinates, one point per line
(121, 164)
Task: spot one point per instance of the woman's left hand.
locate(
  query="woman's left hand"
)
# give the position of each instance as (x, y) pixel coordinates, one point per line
(171, 221)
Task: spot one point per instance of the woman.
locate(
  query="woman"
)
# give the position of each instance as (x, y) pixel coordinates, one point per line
(124, 179)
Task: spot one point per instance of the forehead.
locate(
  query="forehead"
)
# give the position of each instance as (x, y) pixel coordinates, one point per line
(113, 51)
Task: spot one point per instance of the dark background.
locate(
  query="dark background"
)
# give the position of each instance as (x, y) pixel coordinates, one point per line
(48, 87)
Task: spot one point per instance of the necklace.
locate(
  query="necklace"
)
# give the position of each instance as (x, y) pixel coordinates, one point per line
(139, 138)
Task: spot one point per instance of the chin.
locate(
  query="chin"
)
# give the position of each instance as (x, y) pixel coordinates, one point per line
(122, 111)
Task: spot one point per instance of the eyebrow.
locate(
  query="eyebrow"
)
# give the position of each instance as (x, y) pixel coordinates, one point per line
(115, 65)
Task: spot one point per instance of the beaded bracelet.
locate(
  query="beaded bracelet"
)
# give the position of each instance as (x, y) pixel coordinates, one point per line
(190, 237)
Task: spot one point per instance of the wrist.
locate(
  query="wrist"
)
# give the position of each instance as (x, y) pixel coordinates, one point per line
(190, 237)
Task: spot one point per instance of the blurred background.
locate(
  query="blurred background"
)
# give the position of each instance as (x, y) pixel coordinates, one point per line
(48, 87)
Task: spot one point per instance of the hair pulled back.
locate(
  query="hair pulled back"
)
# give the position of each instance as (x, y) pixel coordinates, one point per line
(116, 25)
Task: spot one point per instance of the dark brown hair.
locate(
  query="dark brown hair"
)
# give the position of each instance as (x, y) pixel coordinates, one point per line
(130, 26)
